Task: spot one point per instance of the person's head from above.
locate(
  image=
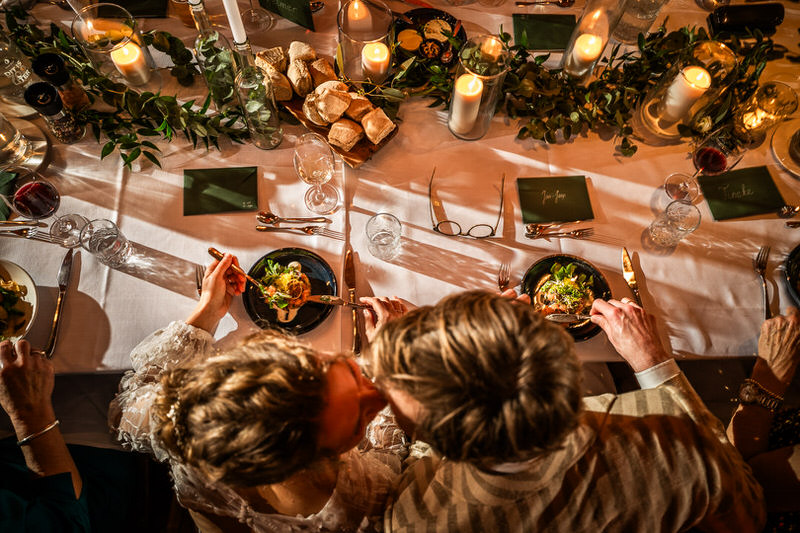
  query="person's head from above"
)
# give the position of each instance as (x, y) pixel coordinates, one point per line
(479, 377)
(261, 412)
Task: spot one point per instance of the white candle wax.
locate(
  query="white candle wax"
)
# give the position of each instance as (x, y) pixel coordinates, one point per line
(375, 60)
(131, 63)
(586, 50)
(235, 21)
(689, 85)
(358, 17)
(466, 103)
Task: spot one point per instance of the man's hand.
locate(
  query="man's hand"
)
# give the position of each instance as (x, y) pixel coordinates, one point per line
(779, 344)
(632, 332)
(381, 311)
(220, 285)
(512, 295)
(26, 385)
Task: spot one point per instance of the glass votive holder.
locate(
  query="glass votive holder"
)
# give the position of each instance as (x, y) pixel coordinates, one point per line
(590, 36)
(637, 18)
(365, 43)
(686, 88)
(110, 37)
(482, 67)
(771, 103)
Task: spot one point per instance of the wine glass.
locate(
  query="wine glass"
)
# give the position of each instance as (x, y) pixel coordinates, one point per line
(257, 19)
(682, 187)
(313, 162)
(717, 153)
(33, 197)
(67, 229)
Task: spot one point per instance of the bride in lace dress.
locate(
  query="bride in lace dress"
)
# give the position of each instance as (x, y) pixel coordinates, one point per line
(271, 434)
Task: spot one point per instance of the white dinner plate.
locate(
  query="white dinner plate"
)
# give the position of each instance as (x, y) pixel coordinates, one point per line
(780, 145)
(14, 272)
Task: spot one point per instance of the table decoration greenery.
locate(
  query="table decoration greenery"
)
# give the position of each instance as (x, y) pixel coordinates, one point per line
(551, 106)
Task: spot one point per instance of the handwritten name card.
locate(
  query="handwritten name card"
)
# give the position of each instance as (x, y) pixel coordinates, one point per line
(554, 199)
(741, 193)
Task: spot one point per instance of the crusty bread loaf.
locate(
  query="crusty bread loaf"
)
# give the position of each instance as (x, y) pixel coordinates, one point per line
(321, 70)
(377, 125)
(281, 87)
(276, 57)
(333, 84)
(302, 51)
(310, 110)
(345, 134)
(359, 106)
(299, 77)
(332, 104)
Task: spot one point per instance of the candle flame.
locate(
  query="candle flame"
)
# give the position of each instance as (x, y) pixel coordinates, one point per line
(697, 76)
(377, 51)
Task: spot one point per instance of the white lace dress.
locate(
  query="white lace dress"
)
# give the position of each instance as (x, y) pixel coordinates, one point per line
(366, 473)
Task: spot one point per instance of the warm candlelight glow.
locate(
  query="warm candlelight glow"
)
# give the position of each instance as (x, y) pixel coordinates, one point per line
(375, 59)
(698, 77)
(492, 48)
(358, 17)
(466, 103)
(587, 49)
(686, 89)
(131, 63)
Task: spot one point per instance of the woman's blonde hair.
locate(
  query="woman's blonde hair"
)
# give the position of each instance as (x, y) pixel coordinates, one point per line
(495, 381)
(246, 417)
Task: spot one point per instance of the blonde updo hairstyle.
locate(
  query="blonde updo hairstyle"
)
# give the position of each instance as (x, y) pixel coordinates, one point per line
(246, 417)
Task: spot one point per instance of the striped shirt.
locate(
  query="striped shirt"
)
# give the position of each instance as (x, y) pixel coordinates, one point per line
(651, 460)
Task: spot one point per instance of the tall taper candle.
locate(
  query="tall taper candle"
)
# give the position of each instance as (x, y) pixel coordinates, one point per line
(235, 20)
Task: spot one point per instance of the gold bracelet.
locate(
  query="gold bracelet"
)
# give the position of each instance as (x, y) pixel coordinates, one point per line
(29, 438)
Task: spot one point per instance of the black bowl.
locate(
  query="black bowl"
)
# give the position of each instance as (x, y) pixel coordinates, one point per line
(792, 274)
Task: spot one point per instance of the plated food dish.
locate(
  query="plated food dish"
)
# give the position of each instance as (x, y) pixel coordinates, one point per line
(786, 145)
(566, 284)
(792, 274)
(423, 32)
(18, 302)
(292, 275)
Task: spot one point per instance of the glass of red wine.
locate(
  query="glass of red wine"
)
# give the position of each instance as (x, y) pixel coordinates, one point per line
(716, 154)
(33, 197)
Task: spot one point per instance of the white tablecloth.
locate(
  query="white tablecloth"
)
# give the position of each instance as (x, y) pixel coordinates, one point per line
(704, 292)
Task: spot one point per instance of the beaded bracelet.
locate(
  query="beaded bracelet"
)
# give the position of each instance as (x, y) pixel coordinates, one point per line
(29, 438)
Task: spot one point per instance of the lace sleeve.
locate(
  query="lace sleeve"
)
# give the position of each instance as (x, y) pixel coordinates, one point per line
(129, 412)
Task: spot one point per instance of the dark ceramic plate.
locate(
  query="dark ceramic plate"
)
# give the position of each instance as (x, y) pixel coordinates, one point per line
(426, 23)
(310, 315)
(582, 330)
(793, 274)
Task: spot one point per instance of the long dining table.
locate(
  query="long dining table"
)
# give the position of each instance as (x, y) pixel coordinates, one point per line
(704, 293)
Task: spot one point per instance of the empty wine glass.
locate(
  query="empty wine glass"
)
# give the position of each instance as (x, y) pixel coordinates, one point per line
(257, 19)
(682, 187)
(313, 162)
(67, 228)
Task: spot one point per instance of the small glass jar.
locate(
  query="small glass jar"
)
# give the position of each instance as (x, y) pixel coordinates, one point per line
(44, 98)
(771, 103)
(50, 67)
(15, 76)
(590, 36)
(482, 68)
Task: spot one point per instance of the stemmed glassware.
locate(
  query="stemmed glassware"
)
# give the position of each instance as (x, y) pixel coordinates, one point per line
(67, 229)
(313, 162)
(257, 19)
(33, 197)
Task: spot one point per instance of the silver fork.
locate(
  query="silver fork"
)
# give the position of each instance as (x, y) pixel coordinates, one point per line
(760, 266)
(574, 234)
(33, 234)
(308, 230)
(199, 273)
(503, 276)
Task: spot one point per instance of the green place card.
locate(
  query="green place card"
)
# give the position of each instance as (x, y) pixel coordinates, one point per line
(220, 190)
(6, 187)
(741, 193)
(556, 199)
(297, 11)
(542, 31)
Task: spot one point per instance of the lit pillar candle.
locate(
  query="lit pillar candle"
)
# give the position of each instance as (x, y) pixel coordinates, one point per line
(131, 63)
(492, 48)
(375, 60)
(358, 17)
(689, 85)
(586, 50)
(466, 103)
(235, 21)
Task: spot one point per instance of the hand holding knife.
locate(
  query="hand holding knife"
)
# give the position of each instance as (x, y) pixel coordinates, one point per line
(630, 277)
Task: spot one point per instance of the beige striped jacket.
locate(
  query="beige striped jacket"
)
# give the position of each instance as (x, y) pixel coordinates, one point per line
(647, 461)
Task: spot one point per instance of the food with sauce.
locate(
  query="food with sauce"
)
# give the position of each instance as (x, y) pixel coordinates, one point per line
(12, 314)
(287, 288)
(564, 291)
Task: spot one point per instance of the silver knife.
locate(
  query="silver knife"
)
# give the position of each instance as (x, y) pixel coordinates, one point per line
(328, 299)
(630, 277)
(566, 318)
(63, 281)
(350, 281)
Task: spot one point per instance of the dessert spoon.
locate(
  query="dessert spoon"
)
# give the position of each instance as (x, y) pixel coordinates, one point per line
(271, 218)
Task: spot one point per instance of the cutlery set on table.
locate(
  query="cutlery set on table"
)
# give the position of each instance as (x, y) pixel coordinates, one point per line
(269, 223)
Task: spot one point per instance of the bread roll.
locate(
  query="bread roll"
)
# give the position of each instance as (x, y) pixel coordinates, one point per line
(332, 104)
(345, 134)
(377, 125)
(276, 57)
(281, 87)
(302, 51)
(359, 106)
(299, 77)
(321, 70)
(333, 84)
(310, 110)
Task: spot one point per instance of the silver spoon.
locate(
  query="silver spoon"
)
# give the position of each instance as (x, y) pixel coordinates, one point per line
(559, 3)
(271, 218)
(788, 211)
